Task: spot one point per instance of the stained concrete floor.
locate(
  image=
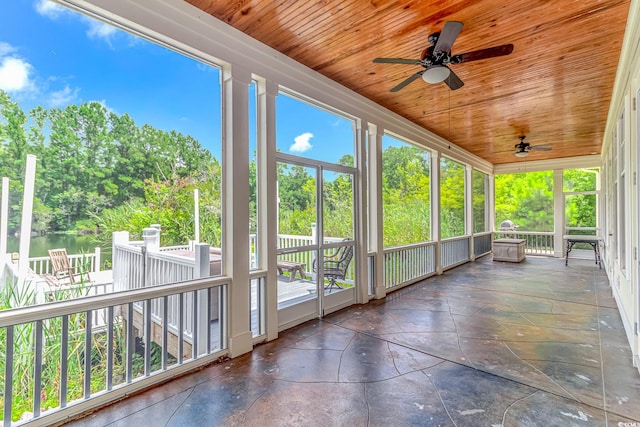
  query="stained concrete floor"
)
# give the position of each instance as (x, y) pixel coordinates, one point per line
(485, 344)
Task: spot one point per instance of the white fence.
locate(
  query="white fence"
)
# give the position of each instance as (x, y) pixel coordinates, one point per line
(138, 266)
(79, 262)
(455, 251)
(538, 242)
(407, 264)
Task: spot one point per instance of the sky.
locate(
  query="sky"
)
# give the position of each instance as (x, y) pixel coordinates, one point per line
(55, 57)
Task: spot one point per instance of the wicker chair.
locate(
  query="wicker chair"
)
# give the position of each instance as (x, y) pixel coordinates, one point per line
(335, 266)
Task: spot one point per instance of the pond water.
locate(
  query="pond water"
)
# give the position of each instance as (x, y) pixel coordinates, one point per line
(40, 245)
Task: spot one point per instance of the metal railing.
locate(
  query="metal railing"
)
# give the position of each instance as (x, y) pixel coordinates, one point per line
(407, 264)
(55, 359)
(538, 242)
(482, 243)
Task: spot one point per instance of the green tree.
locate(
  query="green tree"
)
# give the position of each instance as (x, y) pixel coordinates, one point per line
(526, 199)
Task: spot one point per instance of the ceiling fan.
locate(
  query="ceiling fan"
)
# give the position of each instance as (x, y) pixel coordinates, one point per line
(523, 148)
(436, 57)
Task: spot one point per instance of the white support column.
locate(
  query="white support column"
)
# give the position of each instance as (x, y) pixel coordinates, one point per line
(201, 271)
(4, 218)
(196, 215)
(27, 214)
(118, 269)
(96, 261)
(468, 207)
(435, 208)
(361, 207)
(268, 200)
(558, 214)
(376, 230)
(235, 205)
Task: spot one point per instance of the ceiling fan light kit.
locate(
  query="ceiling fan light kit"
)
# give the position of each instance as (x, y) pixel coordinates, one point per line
(436, 74)
(436, 58)
(521, 153)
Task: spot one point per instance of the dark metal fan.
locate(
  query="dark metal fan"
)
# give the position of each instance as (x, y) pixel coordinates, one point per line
(435, 58)
(523, 148)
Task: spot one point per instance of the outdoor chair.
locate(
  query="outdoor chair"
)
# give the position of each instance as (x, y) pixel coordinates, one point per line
(62, 269)
(335, 266)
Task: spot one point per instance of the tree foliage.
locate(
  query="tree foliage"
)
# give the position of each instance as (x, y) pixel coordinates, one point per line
(94, 163)
(526, 199)
(102, 171)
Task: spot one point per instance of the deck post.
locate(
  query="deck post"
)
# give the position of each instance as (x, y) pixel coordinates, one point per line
(151, 237)
(96, 261)
(118, 238)
(27, 214)
(201, 270)
(4, 217)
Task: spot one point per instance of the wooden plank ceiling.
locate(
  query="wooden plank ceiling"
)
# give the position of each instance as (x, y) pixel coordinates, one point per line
(555, 87)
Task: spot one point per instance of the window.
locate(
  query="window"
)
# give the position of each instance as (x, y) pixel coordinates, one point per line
(305, 130)
(406, 195)
(580, 197)
(526, 199)
(480, 202)
(134, 145)
(452, 198)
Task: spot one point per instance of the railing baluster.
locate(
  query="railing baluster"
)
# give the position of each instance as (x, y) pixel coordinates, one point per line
(194, 330)
(147, 337)
(109, 347)
(8, 376)
(208, 317)
(130, 342)
(87, 355)
(64, 357)
(165, 330)
(37, 371)
(180, 327)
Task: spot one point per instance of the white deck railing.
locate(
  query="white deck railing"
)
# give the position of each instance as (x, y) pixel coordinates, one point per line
(482, 243)
(79, 262)
(538, 242)
(407, 264)
(455, 251)
(137, 267)
(83, 363)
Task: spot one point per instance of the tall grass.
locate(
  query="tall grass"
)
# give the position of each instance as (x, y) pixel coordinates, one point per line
(52, 367)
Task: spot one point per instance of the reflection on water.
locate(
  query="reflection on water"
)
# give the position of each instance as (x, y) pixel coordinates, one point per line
(39, 246)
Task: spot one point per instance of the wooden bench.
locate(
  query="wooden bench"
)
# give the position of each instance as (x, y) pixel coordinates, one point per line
(292, 268)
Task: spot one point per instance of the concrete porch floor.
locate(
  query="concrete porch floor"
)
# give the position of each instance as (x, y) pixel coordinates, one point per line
(485, 344)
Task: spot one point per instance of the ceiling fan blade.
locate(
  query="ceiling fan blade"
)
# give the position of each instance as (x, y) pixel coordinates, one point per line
(448, 36)
(397, 61)
(490, 52)
(539, 148)
(407, 81)
(453, 81)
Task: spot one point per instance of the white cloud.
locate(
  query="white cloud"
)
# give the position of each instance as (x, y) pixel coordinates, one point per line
(301, 143)
(64, 97)
(14, 74)
(98, 29)
(49, 9)
(5, 49)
